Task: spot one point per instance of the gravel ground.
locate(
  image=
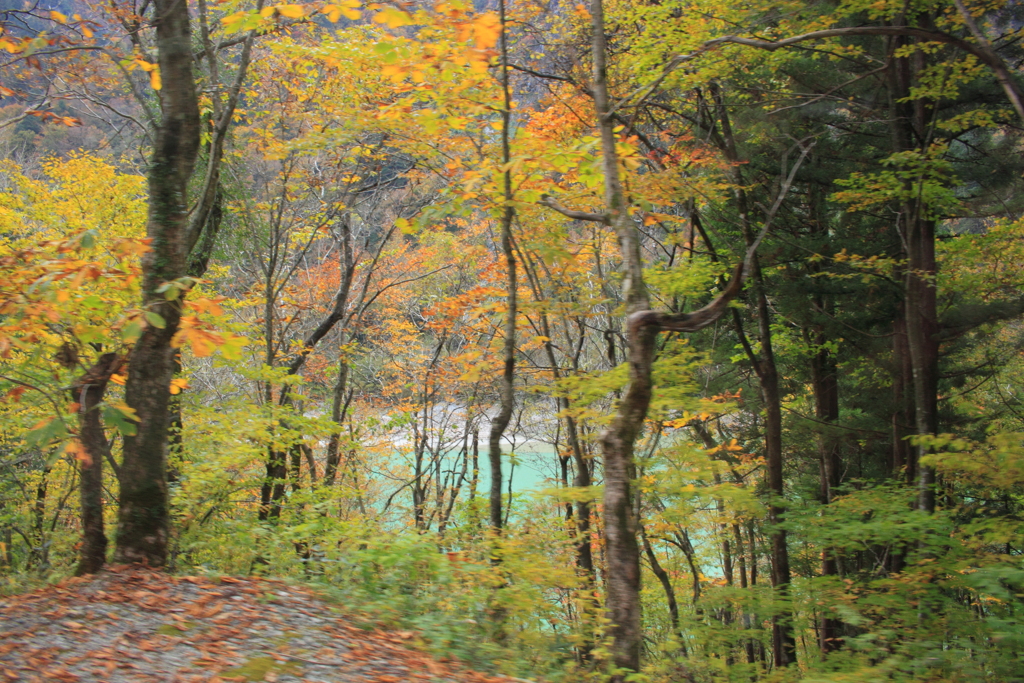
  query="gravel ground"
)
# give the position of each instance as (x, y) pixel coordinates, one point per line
(140, 626)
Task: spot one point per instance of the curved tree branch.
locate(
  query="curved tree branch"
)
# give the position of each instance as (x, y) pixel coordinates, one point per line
(701, 318)
(552, 203)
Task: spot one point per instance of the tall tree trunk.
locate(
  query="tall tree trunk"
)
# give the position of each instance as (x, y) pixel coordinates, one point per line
(208, 213)
(584, 553)
(143, 511)
(748, 621)
(341, 396)
(784, 642)
(507, 388)
(825, 386)
(621, 549)
(88, 391)
(666, 584)
(419, 489)
(751, 535)
(340, 399)
(912, 130)
(922, 337)
(39, 554)
(683, 543)
(474, 479)
(643, 325)
(903, 459)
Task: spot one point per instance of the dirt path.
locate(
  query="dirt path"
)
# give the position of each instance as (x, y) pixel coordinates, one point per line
(140, 626)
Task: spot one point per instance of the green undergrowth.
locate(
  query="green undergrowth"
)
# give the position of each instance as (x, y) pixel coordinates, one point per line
(257, 668)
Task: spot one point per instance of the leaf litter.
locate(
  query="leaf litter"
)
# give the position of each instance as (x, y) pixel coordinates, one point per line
(132, 625)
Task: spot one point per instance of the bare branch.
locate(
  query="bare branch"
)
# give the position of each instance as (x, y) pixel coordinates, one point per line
(539, 74)
(222, 121)
(552, 203)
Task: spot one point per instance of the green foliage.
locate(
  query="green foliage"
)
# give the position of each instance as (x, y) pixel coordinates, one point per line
(915, 176)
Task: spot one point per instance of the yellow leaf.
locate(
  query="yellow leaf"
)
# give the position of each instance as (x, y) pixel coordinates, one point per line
(177, 384)
(205, 305)
(125, 410)
(393, 18)
(233, 20)
(291, 11)
(346, 9)
(154, 79)
(200, 347)
(333, 12)
(58, 17)
(487, 30)
(395, 73)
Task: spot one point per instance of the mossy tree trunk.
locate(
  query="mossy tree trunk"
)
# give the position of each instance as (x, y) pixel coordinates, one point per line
(144, 507)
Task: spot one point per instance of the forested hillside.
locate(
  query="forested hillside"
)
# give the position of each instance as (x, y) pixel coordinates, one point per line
(633, 341)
